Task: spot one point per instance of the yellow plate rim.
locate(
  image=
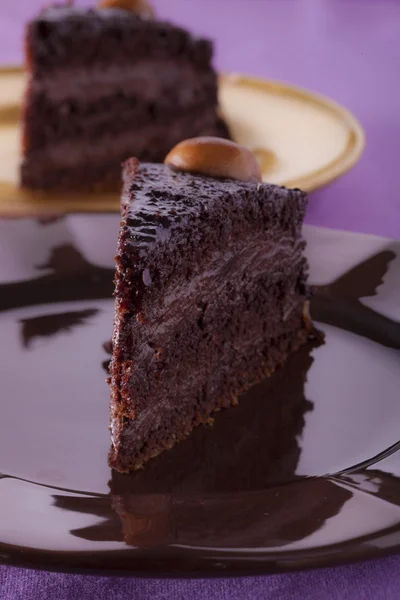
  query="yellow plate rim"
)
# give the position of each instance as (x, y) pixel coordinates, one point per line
(350, 155)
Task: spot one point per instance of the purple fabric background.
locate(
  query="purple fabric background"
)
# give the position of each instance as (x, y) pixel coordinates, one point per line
(350, 51)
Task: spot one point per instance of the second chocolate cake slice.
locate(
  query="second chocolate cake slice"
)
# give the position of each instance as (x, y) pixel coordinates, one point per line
(210, 291)
(104, 84)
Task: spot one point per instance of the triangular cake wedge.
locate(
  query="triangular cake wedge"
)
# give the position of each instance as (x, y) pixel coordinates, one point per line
(210, 295)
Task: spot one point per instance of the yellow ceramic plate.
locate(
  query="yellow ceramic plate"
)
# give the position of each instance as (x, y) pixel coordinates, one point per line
(301, 140)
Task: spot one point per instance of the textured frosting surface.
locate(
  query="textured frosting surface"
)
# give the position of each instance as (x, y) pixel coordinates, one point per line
(160, 199)
(55, 26)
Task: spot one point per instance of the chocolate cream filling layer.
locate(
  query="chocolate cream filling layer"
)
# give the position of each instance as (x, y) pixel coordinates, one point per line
(146, 79)
(44, 166)
(108, 115)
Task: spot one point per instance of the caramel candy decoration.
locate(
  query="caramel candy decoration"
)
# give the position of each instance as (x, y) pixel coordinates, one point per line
(140, 7)
(215, 157)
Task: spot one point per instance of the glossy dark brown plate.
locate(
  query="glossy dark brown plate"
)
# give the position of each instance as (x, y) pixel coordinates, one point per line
(303, 473)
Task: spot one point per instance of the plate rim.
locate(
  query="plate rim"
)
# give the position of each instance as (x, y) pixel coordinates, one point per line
(357, 136)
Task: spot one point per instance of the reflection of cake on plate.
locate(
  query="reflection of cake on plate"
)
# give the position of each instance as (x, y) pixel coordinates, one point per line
(252, 447)
(106, 84)
(270, 518)
(210, 291)
(186, 496)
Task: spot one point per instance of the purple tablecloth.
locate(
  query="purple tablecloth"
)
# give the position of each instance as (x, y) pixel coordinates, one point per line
(350, 51)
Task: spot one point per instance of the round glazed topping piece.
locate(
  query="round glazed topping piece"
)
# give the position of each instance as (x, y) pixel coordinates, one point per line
(140, 7)
(214, 157)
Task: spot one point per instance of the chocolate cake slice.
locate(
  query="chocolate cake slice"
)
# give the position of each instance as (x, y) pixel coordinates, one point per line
(210, 292)
(105, 84)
